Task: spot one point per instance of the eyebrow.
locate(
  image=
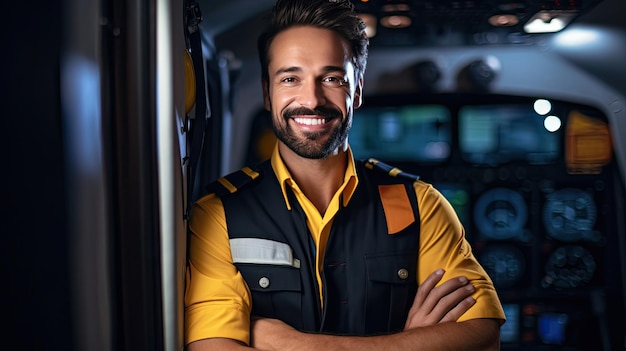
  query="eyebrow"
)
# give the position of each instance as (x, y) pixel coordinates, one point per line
(326, 69)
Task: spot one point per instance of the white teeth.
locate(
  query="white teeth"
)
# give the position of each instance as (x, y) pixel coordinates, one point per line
(310, 121)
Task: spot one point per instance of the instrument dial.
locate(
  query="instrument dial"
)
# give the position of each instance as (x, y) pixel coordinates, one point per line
(504, 264)
(569, 267)
(501, 214)
(569, 215)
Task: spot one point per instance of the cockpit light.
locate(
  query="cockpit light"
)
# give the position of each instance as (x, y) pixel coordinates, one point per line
(503, 20)
(396, 21)
(549, 21)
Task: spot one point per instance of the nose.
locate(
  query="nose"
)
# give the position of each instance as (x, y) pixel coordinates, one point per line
(312, 94)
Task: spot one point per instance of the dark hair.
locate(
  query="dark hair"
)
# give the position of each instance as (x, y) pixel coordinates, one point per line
(337, 15)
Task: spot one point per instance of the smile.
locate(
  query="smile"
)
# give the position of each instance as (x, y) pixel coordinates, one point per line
(310, 121)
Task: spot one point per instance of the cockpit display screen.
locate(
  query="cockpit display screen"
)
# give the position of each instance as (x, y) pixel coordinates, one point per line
(408, 132)
(496, 134)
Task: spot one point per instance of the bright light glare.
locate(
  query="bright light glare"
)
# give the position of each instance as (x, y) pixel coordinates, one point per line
(542, 106)
(548, 21)
(552, 123)
(493, 62)
(539, 26)
(577, 37)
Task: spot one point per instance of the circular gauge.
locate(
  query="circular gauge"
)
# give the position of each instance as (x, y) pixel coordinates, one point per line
(569, 267)
(504, 264)
(569, 215)
(500, 214)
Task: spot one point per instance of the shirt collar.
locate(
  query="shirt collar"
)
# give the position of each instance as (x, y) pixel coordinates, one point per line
(350, 179)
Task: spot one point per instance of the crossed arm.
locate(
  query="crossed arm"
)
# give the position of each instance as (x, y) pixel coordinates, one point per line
(431, 325)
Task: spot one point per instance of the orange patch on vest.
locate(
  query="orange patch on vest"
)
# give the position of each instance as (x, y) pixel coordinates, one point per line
(398, 211)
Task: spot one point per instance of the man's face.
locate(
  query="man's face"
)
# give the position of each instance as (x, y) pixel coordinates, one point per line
(312, 90)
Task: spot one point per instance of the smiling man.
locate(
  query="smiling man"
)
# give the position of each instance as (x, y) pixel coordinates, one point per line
(313, 249)
(311, 100)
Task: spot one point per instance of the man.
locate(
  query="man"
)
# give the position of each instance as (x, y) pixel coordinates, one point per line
(314, 250)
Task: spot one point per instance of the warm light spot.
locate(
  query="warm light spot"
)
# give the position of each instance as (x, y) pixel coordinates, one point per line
(395, 21)
(503, 20)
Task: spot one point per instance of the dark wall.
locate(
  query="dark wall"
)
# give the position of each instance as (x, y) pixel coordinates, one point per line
(34, 254)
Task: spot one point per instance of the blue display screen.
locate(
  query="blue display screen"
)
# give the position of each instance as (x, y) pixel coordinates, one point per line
(551, 328)
(402, 133)
(495, 134)
(509, 332)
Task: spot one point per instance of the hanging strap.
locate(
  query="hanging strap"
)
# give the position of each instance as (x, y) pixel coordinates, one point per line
(196, 127)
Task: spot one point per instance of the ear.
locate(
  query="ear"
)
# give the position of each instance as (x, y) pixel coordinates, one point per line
(266, 95)
(358, 94)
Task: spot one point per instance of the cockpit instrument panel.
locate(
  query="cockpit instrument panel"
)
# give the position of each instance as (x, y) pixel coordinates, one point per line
(505, 265)
(569, 215)
(540, 225)
(569, 266)
(500, 213)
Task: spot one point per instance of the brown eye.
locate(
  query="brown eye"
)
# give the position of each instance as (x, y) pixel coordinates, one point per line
(333, 81)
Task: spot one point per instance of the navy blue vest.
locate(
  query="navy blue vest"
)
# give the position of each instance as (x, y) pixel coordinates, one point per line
(369, 276)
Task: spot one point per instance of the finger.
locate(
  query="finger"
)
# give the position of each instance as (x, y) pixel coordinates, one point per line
(415, 312)
(439, 301)
(425, 288)
(449, 286)
(459, 309)
(452, 300)
(440, 294)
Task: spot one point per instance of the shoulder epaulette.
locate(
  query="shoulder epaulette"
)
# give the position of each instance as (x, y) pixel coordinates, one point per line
(230, 183)
(374, 164)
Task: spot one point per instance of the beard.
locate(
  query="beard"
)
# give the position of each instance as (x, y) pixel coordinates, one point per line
(314, 145)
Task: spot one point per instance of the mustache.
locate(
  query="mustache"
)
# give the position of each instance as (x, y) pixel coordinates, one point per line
(326, 112)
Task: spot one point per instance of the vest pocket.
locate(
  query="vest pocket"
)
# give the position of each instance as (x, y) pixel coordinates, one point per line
(391, 290)
(276, 291)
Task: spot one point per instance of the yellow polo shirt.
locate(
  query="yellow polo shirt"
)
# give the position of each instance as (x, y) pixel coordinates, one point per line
(218, 302)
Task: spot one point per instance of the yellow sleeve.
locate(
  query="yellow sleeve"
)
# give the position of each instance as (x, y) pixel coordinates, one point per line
(443, 245)
(217, 299)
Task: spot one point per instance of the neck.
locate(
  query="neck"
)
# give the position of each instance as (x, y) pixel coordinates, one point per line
(319, 179)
